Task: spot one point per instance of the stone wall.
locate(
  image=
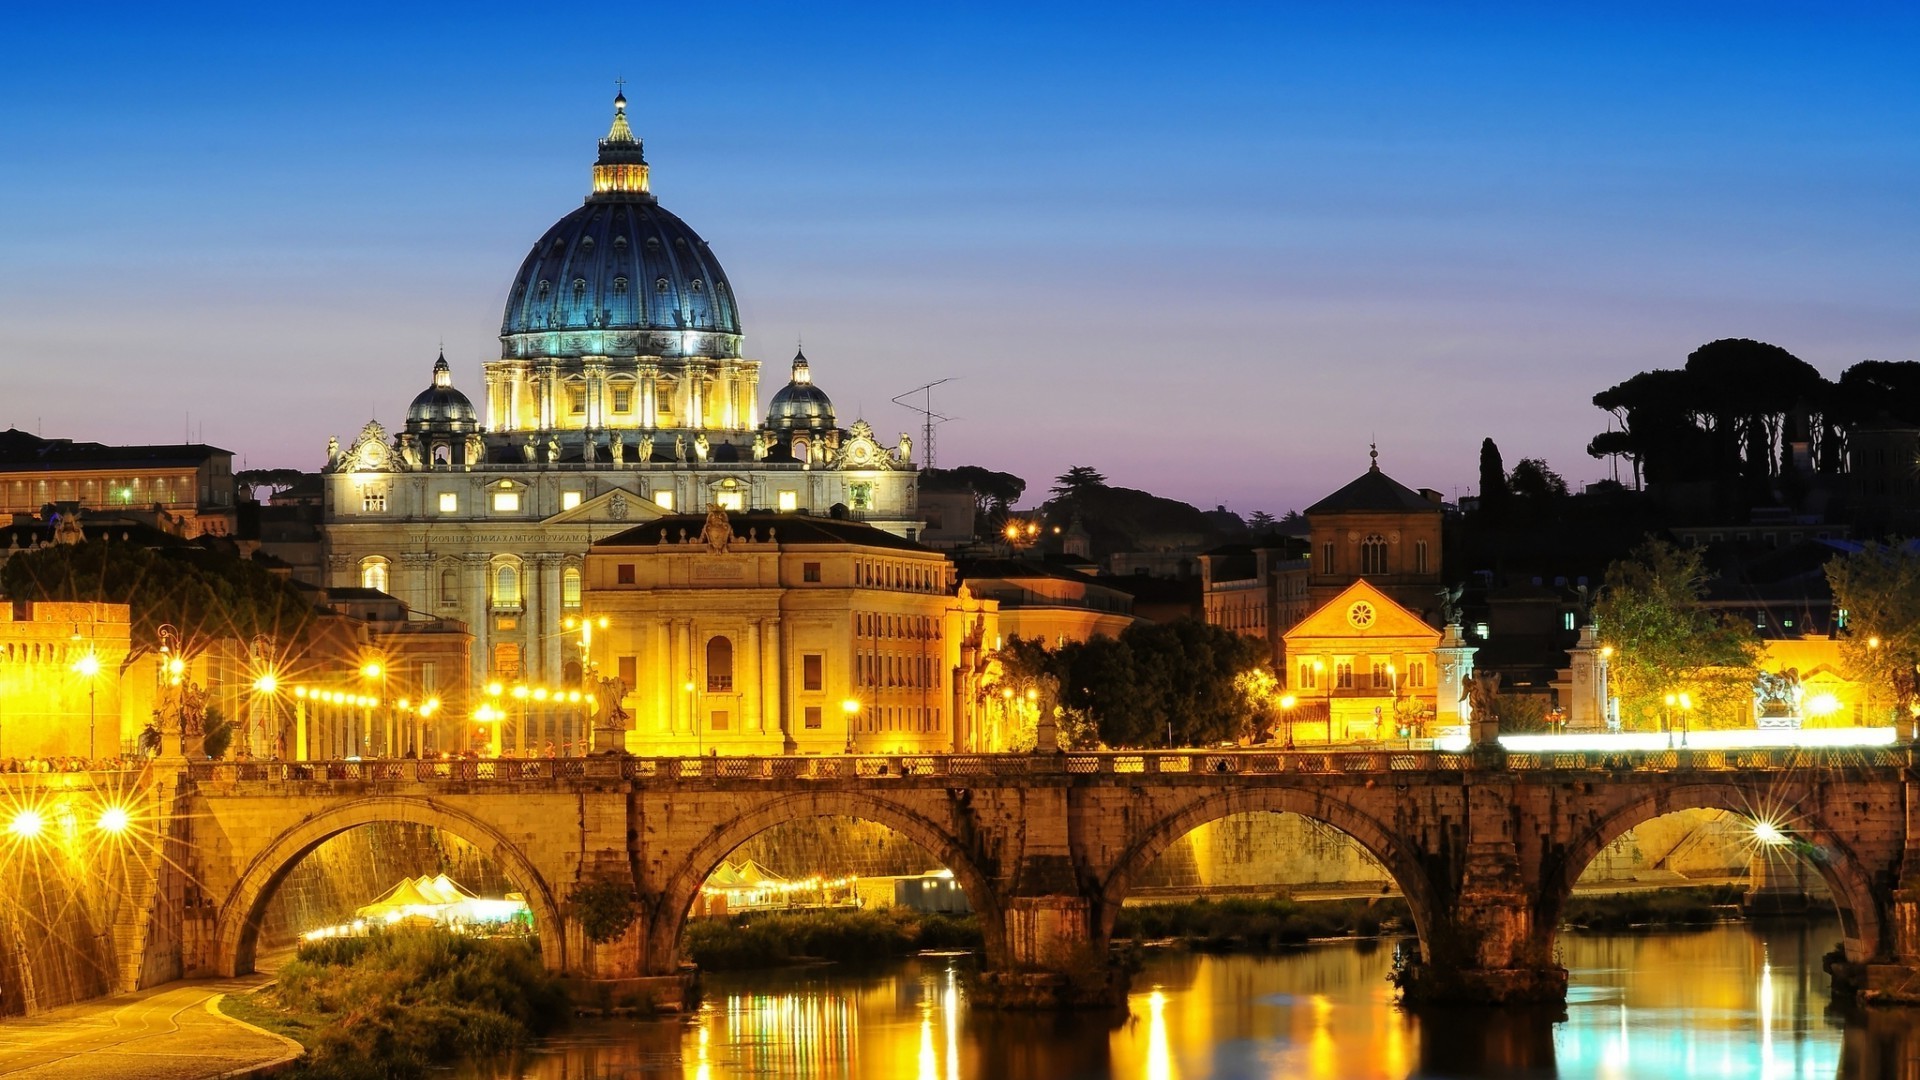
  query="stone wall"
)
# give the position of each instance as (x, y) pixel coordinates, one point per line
(357, 866)
(55, 947)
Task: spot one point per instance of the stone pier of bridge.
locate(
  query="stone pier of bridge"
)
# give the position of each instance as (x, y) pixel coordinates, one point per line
(1484, 848)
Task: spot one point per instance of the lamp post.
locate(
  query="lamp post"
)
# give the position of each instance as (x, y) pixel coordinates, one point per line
(266, 685)
(88, 668)
(374, 671)
(1287, 702)
(585, 624)
(851, 707)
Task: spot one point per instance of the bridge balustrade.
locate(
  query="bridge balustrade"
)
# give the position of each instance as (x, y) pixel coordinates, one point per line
(1197, 763)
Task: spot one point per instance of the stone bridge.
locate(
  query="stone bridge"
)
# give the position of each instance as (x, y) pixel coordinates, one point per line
(1485, 846)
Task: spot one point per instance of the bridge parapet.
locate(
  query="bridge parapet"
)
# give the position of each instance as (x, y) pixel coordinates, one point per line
(1211, 764)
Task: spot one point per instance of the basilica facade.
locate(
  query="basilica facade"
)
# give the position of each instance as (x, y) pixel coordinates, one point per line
(622, 395)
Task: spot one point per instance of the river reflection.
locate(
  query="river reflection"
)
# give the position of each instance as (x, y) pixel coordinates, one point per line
(1732, 1001)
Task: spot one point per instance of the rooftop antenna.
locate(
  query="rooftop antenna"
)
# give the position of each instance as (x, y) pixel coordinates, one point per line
(929, 419)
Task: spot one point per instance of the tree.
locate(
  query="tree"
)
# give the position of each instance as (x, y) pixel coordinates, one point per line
(1665, 642)
(205, 595)
(1076, 483)
(1493, 480)
(1184, 682)
(1533, 482)
(993, 492)
(1879, 589)
(276, 480)
(1262, 522)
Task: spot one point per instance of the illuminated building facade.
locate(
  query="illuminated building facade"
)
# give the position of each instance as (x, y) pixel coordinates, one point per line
(61, 687)
(765, 633)
(621, 395)
(1363, 667)
(186, 489)
(1379, 530)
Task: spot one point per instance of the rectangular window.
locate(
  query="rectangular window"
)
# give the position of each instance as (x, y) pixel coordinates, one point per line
(449, 503)
(1566, 620)
(506, 502)
(1417, 673)
(569, 500)
(789, 501)
(622, 400)
(577, 402)
(373, 500)
(623, 574)
(1307, 680)
(630, 671)
(810, 572)
(1381, 680)
(663, 499)
(813, 717)
(812, 672)
(735, 501)
(1419, 556)
(1326, 558)
(1343, 674)
(719, 720)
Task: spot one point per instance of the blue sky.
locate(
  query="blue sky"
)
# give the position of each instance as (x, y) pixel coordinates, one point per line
(1210, 250)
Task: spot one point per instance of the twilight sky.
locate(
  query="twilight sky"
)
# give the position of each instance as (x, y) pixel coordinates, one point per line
(1209, 249)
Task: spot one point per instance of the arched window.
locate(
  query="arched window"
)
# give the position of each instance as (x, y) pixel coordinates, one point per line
(373, 573)
(1373, 554)
(719, 665)
(506, 586)
(570, 588)
(449, 587)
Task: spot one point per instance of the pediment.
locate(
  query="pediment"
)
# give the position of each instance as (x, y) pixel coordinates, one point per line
(1362, 611)
(619, 506)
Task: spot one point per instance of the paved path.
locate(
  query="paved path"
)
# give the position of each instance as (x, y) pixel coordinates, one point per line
(170, 1033)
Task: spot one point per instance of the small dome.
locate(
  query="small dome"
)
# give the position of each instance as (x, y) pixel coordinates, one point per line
(440, 408)
(800, 405)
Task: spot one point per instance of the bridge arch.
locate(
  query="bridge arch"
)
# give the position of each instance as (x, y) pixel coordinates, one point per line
(237, 927)
(689, 873)
(1846, 876)
(1394, 854)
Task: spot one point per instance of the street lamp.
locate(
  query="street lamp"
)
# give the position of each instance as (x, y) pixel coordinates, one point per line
(88, 668)
(1287, 702)
(371, 671)
(266, 686)
(851, 707)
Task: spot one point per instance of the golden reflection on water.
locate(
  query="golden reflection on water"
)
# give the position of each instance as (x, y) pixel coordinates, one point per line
(1729, 1002)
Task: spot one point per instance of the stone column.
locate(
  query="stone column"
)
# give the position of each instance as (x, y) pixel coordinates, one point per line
(773, 696)
(473, 584)
(1588, 662)
(596, 371)
(548, 625)
(696, 376)
(746, 671)
(649, 374)
(1454, 657)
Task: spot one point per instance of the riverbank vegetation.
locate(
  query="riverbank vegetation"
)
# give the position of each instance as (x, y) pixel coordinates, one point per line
(1697, 906)
(775, 939)
(1259, 924)
(397, 1004)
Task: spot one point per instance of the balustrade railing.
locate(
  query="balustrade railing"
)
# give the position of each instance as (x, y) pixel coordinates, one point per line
(1194, 764)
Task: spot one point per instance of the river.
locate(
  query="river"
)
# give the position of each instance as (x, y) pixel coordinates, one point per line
(1736, 1000)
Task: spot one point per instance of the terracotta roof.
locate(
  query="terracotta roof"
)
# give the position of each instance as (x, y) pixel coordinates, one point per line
(1374, 490)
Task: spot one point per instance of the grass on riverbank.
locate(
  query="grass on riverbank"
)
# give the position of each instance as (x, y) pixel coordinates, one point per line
(1696, 906)
(1248, 924)
(393, 1005)
(774, 939)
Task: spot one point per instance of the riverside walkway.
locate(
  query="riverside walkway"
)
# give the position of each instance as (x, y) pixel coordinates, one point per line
(175, 1032)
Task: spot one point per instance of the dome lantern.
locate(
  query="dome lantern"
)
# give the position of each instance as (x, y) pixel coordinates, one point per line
(800, 405)
(621, 170)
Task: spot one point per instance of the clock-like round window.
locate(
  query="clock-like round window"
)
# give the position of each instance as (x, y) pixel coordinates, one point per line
(1360, 615)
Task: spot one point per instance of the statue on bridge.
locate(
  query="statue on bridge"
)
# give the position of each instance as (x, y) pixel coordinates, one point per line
(611, 720)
